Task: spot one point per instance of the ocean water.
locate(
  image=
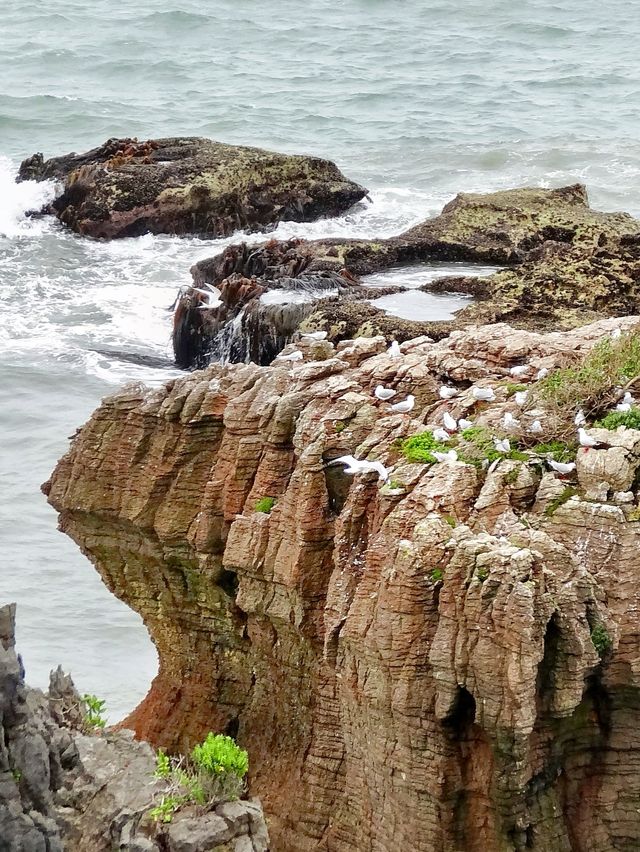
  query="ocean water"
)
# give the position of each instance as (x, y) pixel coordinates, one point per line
(416, 100)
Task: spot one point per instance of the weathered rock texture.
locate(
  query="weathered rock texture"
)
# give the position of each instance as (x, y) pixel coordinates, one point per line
(189, 185)
(568, 265)
(446, 662)
(64, 791)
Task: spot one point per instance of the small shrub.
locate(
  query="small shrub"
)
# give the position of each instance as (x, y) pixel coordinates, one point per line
(554, 504)
(558, 450)
(436, 575)
(515, 388)
(93, 718)
(634, 514)
(482, 574)
(221, 766)
(165, 810)
(480, 447)
(601, 640)
(339, 426)
(511, 476)
(395, 485)
(630, 419)
(163, 764)
(265, 504)
(450, 520)
(418, 448)
(17, 775)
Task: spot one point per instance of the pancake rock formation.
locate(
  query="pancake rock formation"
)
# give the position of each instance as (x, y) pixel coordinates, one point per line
(189, 185)
(62, 790)
(448, 660)
(565, 265)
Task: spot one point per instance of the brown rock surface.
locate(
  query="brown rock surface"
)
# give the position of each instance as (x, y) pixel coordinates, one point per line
(449, 661)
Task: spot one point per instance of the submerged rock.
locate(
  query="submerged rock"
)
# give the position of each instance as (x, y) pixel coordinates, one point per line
(448, 660)
(189, 185)
(62, 790)
(567, 265)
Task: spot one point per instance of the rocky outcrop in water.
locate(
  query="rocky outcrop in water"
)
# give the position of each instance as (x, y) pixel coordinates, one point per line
(567, 265)
(189, 185)
(445, 661)
(64, 790)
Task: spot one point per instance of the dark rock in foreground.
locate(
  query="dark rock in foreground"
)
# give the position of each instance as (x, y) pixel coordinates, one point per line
(64, 791)
(566, 265)
(189, 185)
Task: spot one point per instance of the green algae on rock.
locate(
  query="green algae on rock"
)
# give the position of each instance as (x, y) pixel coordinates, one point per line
(189, 185)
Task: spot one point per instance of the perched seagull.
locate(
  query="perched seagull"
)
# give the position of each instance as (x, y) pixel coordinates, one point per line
(464, 424)
(580, 419)
(208, 293)
(562, 467)
(535, 428)
(394, 350)
(586, 440)
(509, 421)
(405, 406)
(503, 446)
(623, 406)
(296, 355)
(451, 456)
(209, 306)
(521, 397)
(450, 423)
(616, 334)
(383, 393)
(314, 335)
(441, 435)
(448, 393)
(519, 371)
(484, 394)
(542, 373)
(353, 466)
(628, 398)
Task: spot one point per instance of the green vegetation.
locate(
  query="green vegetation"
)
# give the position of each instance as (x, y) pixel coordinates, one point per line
(450, 520)
(515, 388)
(265, 504)
(93, 718)
(395, 484)
(214, 773)
(589, 384)
(480, 446)
(511, 476)
(559, 451)
(418, 448)
(436, 575)
(630, 419)
(554, 504)
(601, 640)
(634, 514)
(17, 775)
(482, 574)
(339, 426)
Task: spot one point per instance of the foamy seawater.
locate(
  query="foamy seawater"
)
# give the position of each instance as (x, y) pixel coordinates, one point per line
(416, 102)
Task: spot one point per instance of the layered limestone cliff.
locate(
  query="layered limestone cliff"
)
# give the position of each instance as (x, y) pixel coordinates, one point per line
(447, 661)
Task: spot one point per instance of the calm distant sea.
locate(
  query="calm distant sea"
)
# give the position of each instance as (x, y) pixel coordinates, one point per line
(417, 100)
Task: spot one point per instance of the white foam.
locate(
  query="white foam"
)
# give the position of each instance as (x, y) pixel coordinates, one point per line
(16, 199)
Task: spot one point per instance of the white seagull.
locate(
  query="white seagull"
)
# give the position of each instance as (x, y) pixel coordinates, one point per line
(509, 421)
(383, 393)
(447, 392)
(519, 371)
(535, 428)
(616, 334)
(586, 440)
(441, 435)
(405, 406)
(628, 397)
(521, 397)
(208, 293)
(451, 456)
(464, 424)
(394, 350)
(502, 445)
(623, 406)
(450, 423)
(562, 467)
(483, 394)
(580, 419)
(542, 373)
(314, 335)
(296, 355)
(354, 466)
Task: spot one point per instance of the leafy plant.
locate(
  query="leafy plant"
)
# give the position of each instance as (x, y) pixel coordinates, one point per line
(436, 575)
(602, 642)
(630, 419)
(418, 448)
(515, 388)
(480, 447)
(93, 719)
(265, 504)
(559, 451)
(339, 426)
(163, 764)
(450, 520)
(165, 810)
(17, 775)
(221, 766)
(395, 485)
(482, 574)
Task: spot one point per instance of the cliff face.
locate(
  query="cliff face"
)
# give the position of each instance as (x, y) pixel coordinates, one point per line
(449, 661)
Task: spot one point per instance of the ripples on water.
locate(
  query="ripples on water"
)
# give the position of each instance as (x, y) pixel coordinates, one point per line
(417, 101)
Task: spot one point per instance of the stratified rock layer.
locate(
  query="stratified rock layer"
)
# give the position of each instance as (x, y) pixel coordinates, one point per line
(449, 661)
(189, 185)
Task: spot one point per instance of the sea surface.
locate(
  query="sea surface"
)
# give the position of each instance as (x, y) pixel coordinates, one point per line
(417, 100)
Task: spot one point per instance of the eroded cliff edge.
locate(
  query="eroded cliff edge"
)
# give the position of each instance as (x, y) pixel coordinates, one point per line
(445, 662)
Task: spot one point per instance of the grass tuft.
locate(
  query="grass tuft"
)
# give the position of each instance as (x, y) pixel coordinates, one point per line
(265, 504)
(554, 504)
(418, 448)
(559, 451)
(630, 419)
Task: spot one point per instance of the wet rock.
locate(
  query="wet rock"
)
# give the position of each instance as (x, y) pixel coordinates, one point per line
(445, 661)
(567, 265)
(189, 185)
